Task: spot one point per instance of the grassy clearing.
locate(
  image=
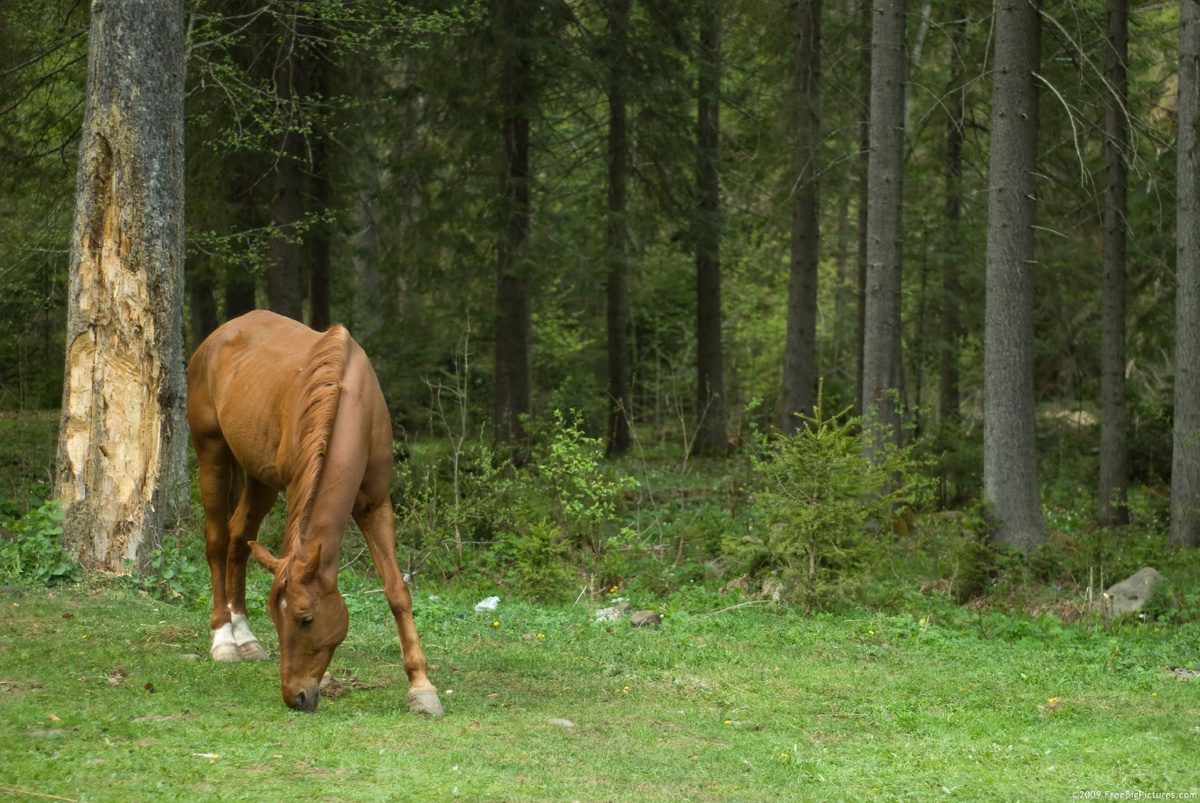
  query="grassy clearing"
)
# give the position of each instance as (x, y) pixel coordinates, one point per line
(747, 704)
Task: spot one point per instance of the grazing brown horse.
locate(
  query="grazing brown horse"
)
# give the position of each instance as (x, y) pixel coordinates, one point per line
(274, 406)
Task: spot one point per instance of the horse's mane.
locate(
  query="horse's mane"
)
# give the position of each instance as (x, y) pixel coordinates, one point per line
(317, 402)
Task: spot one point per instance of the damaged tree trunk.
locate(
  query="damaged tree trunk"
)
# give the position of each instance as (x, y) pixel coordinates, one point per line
(122, 457)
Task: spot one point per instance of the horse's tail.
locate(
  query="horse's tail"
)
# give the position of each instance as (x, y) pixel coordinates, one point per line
(317, 402)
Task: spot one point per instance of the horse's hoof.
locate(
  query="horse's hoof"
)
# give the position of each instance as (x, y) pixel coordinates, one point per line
(226, 652)
(424, 701)
(253, 651)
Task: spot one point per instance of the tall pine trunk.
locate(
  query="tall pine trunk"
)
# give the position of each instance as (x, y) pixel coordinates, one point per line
(710, 387)
(1009, 454)
(800, 355)
(882, 366)
(951, 285)
(1185, 462)
(618, 236)
(1114, 456)
(864, 190)
(285, 289)
(122, 457)
(322, 196)
(514, 323)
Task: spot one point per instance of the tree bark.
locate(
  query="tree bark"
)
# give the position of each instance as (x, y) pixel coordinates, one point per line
(882, 366)
(122, 457)
(800, 355)
(1185, 461)
(1009, 455)
(514, 322)
(951, 285)
(322, 193)
(617, 251)
(285, 257)
(710, 383)
(1114, 455)
(864, 194)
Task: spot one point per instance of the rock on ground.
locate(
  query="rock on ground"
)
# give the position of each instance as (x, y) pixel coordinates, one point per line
(1131, 594)
(646, 619)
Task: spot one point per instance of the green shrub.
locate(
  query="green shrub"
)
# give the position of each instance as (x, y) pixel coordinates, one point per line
(569, 476)
(828, 506)
(539, 562)
(32, 549)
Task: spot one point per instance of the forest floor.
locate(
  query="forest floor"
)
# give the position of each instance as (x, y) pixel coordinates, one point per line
(107, 692)
(109, 695)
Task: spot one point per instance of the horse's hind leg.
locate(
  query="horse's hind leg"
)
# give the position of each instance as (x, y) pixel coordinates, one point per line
(255, 503)
(379, 529)
(216, 486)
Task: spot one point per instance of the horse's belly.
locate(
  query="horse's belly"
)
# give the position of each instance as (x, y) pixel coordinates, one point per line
(254, 434)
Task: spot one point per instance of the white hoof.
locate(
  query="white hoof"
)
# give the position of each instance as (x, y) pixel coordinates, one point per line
(425, 701)
(253, 651)
(226, 652)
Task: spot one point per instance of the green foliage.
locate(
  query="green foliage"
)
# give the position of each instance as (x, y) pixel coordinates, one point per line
(178, 571)
(539, 561)
(569, 474)
(828, 505)
(30, 548)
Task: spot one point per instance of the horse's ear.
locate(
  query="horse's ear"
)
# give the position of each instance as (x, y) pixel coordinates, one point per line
(264, 557)
(309, 571)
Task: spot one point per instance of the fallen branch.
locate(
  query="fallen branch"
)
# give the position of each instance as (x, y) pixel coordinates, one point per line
(739, 605)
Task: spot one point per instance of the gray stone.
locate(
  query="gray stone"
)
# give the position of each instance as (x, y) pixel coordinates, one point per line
(1130, 594)
(566, 723)
(609, 614)
(646, 619)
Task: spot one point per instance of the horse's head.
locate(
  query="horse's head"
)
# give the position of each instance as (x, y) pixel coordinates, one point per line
(311, 618)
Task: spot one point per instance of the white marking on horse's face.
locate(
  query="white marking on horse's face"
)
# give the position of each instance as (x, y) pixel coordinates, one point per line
(283, 604)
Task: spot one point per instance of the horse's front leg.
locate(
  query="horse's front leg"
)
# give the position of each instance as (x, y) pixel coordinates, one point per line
(255, 503)
(379, 529)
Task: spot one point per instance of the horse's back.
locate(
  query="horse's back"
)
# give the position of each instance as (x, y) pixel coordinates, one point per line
(241, 383)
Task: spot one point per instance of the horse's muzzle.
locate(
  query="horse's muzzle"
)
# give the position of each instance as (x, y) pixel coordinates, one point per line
(306, 700)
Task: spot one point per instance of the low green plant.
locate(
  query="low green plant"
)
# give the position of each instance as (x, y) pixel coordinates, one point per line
(539, 561)
(828, 505)
(33, 551)
(582, 499)
(176, 573)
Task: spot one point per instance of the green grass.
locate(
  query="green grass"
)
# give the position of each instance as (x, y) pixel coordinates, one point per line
(747, 704)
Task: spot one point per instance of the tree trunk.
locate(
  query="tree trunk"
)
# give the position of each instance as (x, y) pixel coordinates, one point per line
(841, 265)
(617, 251)
(514, 377)
(1009, 454)
(710, 384)
(122, 457)
(1185, 462)
(800, 355)
(286, 248)
(882, 367)
(951, 286)
(864, 194)
(1114, 456)
(322, 190)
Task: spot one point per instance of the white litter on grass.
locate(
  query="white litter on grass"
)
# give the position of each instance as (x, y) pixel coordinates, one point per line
(489, 604)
